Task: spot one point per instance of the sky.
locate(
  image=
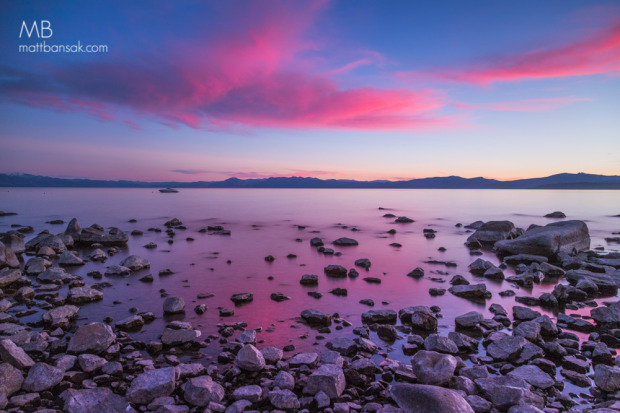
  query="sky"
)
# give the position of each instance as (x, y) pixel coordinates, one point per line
(208, 90)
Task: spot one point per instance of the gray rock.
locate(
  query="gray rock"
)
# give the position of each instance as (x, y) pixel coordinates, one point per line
(607, 316)
(177, 337)
(309, 279)
(83, 295)
(440, 344)
(335, 271)
(247, 337)
(242, 298)
(523, 313)
(468, 320)
(316, 318)
(284, 380)
(529, 330)
(133, 322)
(251, 393)
(55, 275)
(174, 305)
(379, 317)
(99, 399)
(473, 291)
(10, 353)
(272, 354)
(506, 391)
(328, 378)
(36, 265)
(345, 242)
(151, 384)
(284, 399)
(433, 368)
(606, 285)
(200, 391)
(13, 240)
(135, 263)
(96, 235)
(607, 378)
(364, 366)
(8, 276)
(249, 358)
(420, 318)
(343, 345)
(506, 348)
(89, 362)
(11, 379)
(92, 338)
(114, 270)
(69, 258)
(479, 404)
(304, 359)
(420, 398)
(534, 376)
(493, 231)
(548, 241)
(237, 407)
(41, 377)
(60, 316)
(66, 362)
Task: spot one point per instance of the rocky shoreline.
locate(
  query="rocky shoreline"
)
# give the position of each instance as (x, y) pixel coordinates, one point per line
(517, 361)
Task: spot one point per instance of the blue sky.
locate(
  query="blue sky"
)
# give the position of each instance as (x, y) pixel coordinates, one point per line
(352, 90)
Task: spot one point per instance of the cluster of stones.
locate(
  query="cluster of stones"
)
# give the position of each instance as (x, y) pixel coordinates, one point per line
(505, 363)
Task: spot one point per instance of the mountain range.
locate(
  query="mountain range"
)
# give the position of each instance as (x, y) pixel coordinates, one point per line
(559, 181)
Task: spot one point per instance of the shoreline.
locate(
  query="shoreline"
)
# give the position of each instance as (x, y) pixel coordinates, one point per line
(475, 364)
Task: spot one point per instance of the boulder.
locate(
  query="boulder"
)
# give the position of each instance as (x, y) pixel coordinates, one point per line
(344, 346)
(83, 295)
(60, 316)
(534, 376)
(41, 377)
(316, 318)
(379, 317)
(468, 320)
(178, 337)
(607, 378)
(96, 235)
(309, 279)
(135, 263)
(472, 292)
(174, 305)
(433, 368)
(421, 398)
(251, 393)
(491, 232)
(202, 390)
(92, 338)
(440, 344)
(69, 258)
(507, 391)
(607, 316)
(8, 257)
(242, 298)
(152, 384)
(249, 358)
(99, 399)
(8, 276)
(89, 362)
(15, 355)
(284, 399)
(506, 348)
(335, 271)
(11, 379)
(605, 284)
(548, 241)
(328, 378)
(345, 242)
(55, 275)
(420, 318)
(13, 240)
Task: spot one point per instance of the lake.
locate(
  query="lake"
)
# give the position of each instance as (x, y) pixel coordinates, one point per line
(279, 222)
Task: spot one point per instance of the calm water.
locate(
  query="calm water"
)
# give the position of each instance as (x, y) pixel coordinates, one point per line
(264, 222)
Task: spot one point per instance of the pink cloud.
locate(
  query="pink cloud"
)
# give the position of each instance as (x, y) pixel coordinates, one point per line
(526, 105)
(599, 54)
(252, 78)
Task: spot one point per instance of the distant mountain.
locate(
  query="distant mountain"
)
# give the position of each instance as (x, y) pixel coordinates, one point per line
(559, 181)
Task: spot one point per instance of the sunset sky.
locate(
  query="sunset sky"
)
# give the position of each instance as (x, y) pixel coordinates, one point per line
(330, 89)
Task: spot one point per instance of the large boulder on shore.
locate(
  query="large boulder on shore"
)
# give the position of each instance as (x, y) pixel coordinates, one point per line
(548, 241)
(491, 232)
(421, 398)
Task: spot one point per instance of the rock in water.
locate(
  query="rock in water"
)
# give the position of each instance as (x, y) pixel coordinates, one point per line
(99, 399)
(200, 391)
(92, 338)
(152, 384)
(491, 232)
(9, 276)
(316, 318)
(174, 305)
(607, 378)
(421, 398)
(548, 241)
(8, 257)
(135, 263)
